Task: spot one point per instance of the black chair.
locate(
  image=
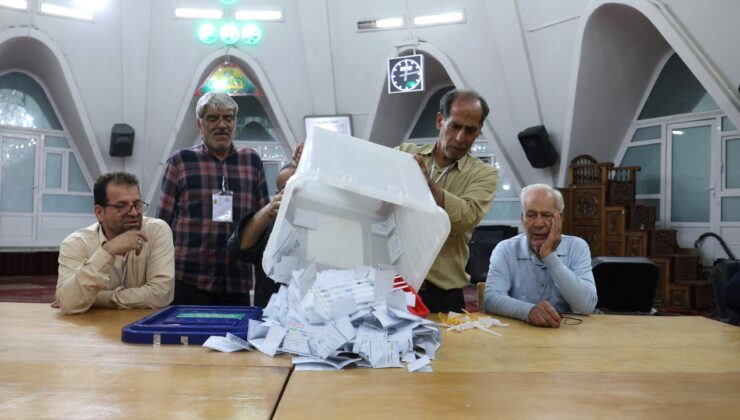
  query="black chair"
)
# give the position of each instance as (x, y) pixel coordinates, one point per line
(481, 245)
(625, 284)
(721, 274)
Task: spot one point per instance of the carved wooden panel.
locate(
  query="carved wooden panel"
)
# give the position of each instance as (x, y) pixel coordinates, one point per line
(680, 296)
(642, 218)
(568, 211)
(662, 296)
(614, 248)
(592, 236)
(588, 203)
(636, 244)
(615, 223)
(621, 194)
(663, 242)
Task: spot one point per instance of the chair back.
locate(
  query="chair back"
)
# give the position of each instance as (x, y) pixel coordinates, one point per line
(721, 274)
(480, 291)
(625, 284)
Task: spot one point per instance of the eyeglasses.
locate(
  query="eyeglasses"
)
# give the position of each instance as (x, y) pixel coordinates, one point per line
(214, 119)
(122, 208)
(569, 320)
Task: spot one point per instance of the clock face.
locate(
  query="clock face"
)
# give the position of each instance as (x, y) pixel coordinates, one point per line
(406, 75)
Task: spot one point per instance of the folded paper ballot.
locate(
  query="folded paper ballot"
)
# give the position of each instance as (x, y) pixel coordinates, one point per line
(342, 319)
(353, 240)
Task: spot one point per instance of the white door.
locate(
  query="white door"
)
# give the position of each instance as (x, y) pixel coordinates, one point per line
(18, 188)
(691, 187)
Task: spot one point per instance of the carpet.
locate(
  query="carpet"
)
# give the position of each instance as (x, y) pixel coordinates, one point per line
(41, 289)
(29, 289)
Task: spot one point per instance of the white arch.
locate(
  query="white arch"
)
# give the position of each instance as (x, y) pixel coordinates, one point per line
(180, 136)
(29, 49)
(677, 37)
(489, 131)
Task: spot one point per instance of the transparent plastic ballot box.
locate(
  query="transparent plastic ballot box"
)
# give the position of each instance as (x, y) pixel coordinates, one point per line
(355, 203)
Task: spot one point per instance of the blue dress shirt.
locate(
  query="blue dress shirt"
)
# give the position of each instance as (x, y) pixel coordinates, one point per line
(518, 279)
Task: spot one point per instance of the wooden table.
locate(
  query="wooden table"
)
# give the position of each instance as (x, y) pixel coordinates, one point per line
(56, 366)
(37, 332)
(606, 367)
(609, 366)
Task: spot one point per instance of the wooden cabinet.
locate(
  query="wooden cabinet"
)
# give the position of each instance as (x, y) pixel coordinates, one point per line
(587, 217)
(662, 295)
(592, 236)
(614, 236)
(600, 207)
(636, 243)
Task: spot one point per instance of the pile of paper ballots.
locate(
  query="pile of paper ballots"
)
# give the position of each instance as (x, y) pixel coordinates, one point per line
(335, 318)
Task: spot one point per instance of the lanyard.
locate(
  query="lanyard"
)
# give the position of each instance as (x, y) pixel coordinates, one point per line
(444, 171)
(224, 182)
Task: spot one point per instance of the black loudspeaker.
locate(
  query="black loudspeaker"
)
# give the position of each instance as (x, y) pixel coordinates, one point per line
(536, 144)
(625, 284)
(121, 140)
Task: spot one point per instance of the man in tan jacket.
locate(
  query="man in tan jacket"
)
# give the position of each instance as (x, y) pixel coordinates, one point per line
(123, 261)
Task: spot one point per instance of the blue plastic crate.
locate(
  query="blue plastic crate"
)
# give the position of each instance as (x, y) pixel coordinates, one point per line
(190, 324)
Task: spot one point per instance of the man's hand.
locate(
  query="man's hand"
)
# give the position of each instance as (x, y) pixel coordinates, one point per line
(544, 315)
(437, 192)
(133, 240)
(554, 237)
(422, 166)
(274, 205)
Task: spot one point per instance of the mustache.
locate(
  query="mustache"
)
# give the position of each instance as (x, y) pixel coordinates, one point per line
(222, 131)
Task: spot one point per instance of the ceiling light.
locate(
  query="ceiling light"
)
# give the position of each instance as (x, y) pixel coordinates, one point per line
(188, 13)
(677, 132)
(263, 15)
(229, 34)
(389, 23)
(53, 9)
(208, 33)
(14, 4)
(457, 16)
(394, 22)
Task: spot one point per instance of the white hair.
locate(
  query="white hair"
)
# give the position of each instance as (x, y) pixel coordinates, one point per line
(217, 100)
(542, 187)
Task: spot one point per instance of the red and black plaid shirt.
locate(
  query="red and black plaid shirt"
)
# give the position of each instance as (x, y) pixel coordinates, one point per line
(202, 257)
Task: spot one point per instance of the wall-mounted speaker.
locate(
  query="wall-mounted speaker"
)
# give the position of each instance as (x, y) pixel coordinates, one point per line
(536, 144)
(121, 140)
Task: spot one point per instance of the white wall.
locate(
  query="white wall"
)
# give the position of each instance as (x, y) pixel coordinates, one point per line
(536, 61)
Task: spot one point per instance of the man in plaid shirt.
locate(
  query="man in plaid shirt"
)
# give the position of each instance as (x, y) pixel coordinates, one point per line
(205, 189)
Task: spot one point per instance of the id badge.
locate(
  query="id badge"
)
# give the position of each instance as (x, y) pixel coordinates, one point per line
(223, 207)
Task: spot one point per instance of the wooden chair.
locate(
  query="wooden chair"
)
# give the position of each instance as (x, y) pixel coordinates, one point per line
(480, 289)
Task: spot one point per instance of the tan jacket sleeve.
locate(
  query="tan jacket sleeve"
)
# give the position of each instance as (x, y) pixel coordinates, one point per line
(155, 279)
(81, 278)
(467, 209)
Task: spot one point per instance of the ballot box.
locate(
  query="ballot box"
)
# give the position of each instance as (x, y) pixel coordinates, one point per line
(355, 203)
(190, 324)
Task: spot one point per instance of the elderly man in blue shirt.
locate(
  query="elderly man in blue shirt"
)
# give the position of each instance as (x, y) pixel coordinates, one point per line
(540, 274)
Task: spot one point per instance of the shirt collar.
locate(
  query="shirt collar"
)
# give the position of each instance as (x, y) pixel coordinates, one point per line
(204, 149)
(101, 235)
(428, 150)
